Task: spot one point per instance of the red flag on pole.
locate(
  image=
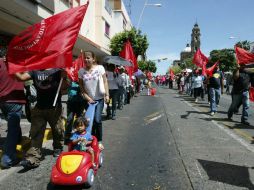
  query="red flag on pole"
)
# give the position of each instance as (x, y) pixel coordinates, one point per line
(128, 54)
(251, 93)
(47, 44)
(77, 64)
(171, 74)
(199, 59)
(210, 70)
(243, 56)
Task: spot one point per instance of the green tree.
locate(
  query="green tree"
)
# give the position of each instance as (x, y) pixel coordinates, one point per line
(188, 63)
(176, 69)
(147, 66)
(139, 42)
(244, 44)
(225, 57)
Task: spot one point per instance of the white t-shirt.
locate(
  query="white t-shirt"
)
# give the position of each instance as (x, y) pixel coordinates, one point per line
(91, 81)
(197, 81)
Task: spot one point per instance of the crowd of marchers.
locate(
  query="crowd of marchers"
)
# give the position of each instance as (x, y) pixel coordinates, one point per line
(238, 84)
(108, 85)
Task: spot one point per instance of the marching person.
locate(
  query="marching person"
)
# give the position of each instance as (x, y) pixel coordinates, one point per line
(122, 88)
(215, 89)
(46, 83)
(12, 98)
(89, 78)
(240, 93)
(113, 81)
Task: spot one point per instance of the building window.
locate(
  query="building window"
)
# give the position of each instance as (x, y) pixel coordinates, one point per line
(108, 7)
(107, 28)
(48, 4)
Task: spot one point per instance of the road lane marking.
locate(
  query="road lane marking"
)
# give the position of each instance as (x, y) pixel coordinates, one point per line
(244, 134)
(199, 172)
(155, 118)
(148, 121)
(153, 114)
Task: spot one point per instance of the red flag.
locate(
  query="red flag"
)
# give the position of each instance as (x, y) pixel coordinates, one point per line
(199, 58)
(128, 54)
(171, 74)
(243, 56)
(251, 93)
(210, 70)
(77, 64)
(47, 44)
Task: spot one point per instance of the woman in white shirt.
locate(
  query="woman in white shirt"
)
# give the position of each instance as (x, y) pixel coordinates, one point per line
(198, 84)
(89, 86)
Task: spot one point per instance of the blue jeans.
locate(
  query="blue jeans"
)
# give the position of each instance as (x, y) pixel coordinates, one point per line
(240, 98)
(97, 123)
(13, 112)
(214, 98)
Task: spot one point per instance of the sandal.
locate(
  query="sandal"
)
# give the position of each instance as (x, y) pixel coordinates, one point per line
(101, 147)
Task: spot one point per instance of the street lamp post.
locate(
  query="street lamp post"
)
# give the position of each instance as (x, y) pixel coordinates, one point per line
(141, 14)
(160, 59)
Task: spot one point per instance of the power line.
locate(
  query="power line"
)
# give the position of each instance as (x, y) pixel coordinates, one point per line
(128, 6)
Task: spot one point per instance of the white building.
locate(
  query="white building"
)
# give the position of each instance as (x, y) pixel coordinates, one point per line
(103, 19)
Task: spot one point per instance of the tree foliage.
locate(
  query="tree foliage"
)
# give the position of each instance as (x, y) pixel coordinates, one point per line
(139, 42)
(147, 66)
(244, 44)
(225, 57)
(187, 63)
(176, 69)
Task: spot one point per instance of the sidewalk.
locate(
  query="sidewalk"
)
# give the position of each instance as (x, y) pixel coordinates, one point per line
(215, 156)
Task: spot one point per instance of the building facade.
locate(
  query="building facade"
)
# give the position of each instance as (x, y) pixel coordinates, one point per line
(103, 19)
(190, 50)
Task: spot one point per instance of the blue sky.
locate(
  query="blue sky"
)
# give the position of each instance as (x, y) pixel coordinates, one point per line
(169, 27)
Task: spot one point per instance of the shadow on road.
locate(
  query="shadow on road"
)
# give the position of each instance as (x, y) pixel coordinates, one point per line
(61, 187)
(227, 173)
(215, 119)
(185, 116)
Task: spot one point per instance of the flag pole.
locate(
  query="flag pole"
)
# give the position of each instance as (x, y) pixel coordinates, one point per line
(58, 90)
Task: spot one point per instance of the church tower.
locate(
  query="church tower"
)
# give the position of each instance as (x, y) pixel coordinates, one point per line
(195, 38)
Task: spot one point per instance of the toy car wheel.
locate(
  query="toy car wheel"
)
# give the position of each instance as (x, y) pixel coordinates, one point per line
(90, 178)
(101, 159)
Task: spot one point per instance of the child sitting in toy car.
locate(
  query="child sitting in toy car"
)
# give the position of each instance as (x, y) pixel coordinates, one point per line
(80, 138)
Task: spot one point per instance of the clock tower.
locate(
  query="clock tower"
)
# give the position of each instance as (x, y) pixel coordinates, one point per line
(195, 38)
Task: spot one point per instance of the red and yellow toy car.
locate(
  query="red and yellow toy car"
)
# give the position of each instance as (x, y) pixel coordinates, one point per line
(76, 167)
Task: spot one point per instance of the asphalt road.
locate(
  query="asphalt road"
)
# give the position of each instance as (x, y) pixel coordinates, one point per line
(161, 143)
